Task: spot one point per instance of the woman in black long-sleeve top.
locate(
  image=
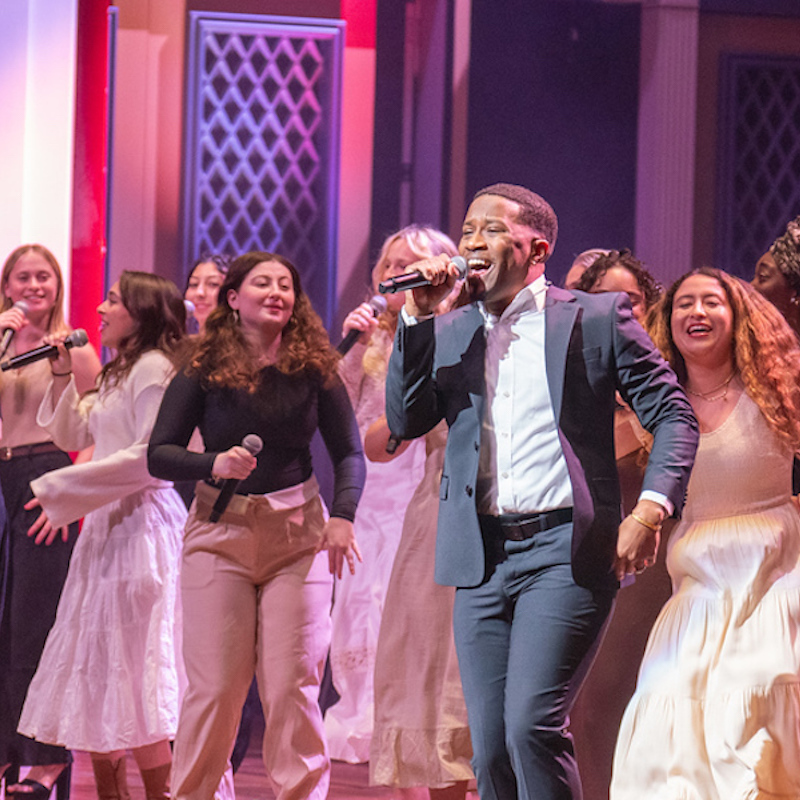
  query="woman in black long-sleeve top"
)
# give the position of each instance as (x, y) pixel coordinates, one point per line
(255, 586)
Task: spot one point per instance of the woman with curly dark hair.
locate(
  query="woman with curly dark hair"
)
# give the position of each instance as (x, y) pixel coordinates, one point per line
(107, 680)
(717, 704)
(621, 271)
(777, 274)
(256, 587)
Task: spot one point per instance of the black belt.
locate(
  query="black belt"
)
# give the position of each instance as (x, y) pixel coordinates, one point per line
(518, 527)
(23, 450)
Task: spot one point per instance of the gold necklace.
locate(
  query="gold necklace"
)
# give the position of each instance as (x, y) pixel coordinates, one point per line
(709, 396)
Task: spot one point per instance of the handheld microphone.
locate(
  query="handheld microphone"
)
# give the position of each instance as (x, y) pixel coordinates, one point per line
(8, 333)
(378, 305)
(253, 444)
(77, 338)
(392, 444)
(415, 280)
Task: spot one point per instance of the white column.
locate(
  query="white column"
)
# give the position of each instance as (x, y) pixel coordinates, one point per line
(37, 95)
(666, 149)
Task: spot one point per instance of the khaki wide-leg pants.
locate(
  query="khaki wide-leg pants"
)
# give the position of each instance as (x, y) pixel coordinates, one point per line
(256, 597)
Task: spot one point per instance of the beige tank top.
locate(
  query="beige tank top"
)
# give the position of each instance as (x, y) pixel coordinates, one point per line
(21, 393)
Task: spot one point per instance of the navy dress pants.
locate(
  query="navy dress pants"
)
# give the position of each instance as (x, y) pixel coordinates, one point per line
(525, 640)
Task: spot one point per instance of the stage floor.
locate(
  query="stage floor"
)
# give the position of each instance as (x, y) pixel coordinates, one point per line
(348, 781)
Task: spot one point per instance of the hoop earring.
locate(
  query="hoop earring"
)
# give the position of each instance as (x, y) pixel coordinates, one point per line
(236, 315)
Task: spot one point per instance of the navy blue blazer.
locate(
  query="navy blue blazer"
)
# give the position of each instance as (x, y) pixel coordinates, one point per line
(593, 347)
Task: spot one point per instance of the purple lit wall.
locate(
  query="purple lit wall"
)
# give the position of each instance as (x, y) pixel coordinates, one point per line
(553, 105)
(262, 142)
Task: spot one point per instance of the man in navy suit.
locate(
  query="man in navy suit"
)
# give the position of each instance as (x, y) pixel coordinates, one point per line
(529, 519)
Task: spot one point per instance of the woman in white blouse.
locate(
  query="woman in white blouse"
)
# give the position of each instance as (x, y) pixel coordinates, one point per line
(108, 679)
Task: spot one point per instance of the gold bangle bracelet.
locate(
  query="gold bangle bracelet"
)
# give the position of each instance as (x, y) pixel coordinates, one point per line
(656, 527)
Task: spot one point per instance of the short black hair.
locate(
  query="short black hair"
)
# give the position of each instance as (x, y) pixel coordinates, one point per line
(535, 211)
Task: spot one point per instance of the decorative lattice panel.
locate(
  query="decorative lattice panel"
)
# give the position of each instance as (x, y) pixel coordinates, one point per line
(262, 144)
(759, 157)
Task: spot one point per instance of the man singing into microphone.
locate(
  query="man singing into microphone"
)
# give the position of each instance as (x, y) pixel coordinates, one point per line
(529, 518)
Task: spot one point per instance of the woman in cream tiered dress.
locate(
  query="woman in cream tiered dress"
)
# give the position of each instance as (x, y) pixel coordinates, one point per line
(359, 599)
(716, 713)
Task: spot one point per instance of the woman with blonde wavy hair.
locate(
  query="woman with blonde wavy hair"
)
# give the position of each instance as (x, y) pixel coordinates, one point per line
(34, 557)
(717, 705)
(360, 599)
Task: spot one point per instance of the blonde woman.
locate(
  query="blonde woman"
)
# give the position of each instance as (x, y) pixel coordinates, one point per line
(34, 557)
(359, 599)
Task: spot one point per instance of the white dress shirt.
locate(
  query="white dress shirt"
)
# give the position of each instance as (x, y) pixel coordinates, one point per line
(522, 468)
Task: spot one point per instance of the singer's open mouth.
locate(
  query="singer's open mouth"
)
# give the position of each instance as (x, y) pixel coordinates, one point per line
(478, 265)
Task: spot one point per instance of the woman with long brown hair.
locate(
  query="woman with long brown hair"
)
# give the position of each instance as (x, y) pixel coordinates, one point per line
(717, 705)
(256, 587)
(108, 677)
(34, 557)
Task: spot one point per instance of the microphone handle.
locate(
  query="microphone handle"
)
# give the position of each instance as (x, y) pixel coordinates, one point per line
(22, 360)
(402, 283)
(38, 353)
(393, 444)
(226, 493)
(378, 305)
(349, 340)
(5, 340)
(415, 280)
(8, 333)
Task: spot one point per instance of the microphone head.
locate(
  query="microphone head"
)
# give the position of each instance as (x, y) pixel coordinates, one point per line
(378, 304)
(190, 308)
(253, 443)
(461, 264)
(22, 306)
(77, 338)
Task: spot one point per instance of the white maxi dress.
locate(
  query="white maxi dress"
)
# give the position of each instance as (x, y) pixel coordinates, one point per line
(716, 712)
(108, 677)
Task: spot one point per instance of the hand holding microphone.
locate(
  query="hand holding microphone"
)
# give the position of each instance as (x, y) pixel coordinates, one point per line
(430, 281)
(56, 348)
(362, 319)
(11, 321)
(234, 466)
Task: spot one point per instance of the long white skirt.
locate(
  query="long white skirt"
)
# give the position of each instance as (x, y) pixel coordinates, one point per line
(108, 676)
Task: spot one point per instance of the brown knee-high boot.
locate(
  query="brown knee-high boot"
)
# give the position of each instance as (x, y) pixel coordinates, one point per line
(156, 782)
(111, 778)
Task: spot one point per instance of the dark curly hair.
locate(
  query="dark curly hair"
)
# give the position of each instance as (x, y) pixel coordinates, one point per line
(157, 308)
(221, 261)
(222, 356)
(649, 286)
